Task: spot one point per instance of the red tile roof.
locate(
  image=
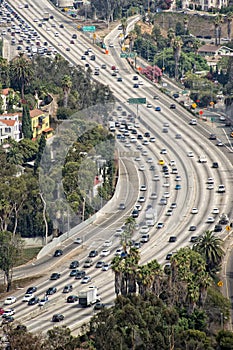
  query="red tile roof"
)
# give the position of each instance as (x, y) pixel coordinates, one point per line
(36, 113)
(8, 122)
(47, 130)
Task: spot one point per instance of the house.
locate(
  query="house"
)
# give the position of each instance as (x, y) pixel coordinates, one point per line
(213, 53)
(10, 127)
(4, 94)
(204, 5)
(40, 123)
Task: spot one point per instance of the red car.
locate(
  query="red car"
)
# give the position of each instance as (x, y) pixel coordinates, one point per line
(113, 67)
(1, 311)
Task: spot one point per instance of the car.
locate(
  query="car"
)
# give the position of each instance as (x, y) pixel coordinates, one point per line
(168, 256)
(158, 109)
(163, 151)
(99, 306)
(1, 311)
(144, 229)
(72, 299)
(152, 168)
(141, 199)
(55, 276)
(67, 49)
(51, 290)
(135, 86)
(118, 252)
(192, 228)
(166, 195)
(86, 280)
(193, 239)
(143, 188)
(31, 290)
(215, 165)
(217, 228)
(190, 154)
(194, 211)
(202, 159)
(166, 174)
(215, 211)
(144, 153)
(73, 273)
(8, 312)
(74, 264)
(57, 318)
(80, 275)
(107, 243)
(106, 267)
(220, 143)
(43, 301)
(58, 252)
(210, 219)
(164, 168)
(172, 239)
(177, 178)
(145, 238)
(221, 189)
(163, 201)
(27, 297)
(173, 205)
(152, 139)
(99, 264)
(212, 137)
(7, 319)
(105, 252)
(153, 196)
(96, 72)
(68, 288)
(177, 187)
(119, 79)
(178, 136)
(142, 168)
(87, 263)
(169, 212)
(193, 122)
(161, 162)
(149, 105)
(160, 225)
(135, 77)
(145, 143)
(210, 180)
(155, 178)
(33, 301)
(10, 300)
(93, 253)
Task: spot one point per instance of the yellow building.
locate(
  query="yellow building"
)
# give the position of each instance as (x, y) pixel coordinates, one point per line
(40, 124)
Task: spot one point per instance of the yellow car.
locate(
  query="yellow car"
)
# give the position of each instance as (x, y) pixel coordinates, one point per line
(232, 134)
(161, 162)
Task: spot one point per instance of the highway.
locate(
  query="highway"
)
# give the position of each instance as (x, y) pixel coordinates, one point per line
(193, 192)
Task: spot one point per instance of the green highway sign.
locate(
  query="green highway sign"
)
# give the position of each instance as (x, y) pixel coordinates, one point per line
(128, 55)
(139, 101)
(88, 29)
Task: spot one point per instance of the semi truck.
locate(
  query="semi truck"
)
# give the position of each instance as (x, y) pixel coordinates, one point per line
(46, 16)
(151, 217)
(88, 297)
(112, 126)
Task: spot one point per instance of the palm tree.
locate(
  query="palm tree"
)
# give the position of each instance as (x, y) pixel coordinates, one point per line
(210, 247)
(117, 268)
(4, 71)
(21, 70)
(217, 28)
(132, 36)
(66, 86)
(186, 25)
(171, 36)
(124, 25)
(229, 20)
(177, 44)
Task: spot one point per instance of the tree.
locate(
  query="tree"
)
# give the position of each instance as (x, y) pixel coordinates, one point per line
(26, 123)
(177, 44)
(11, 246)
(66, 86)
(42, 144)
(124, 25)
(229, 21)
(21, 70)
(210, 247)
(217, 28)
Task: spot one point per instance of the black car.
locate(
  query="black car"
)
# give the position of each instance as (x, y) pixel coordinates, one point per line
(73, 273)
(31, 290)
(193, 239)
(119, 79)
(173, 106)
(192, 228)
(93, 253)
(72, 299)
(212, 137)
(135, 213)
(33, 301)
(147, 134)
(74, 36)
(140, 137)
(168, 256)
(165, 168)
(58, 252)
(135, 86)
(92, 58)
(176, 95)
(99, 306)
(135, 77)
(7, 319)
(80, 275)
(152, 167)
(51, 290)
(215, 165)
(74, 264)
(61, 25)
(68, 288)
(172, 239)
(55, 276)
(217, 228)
(57, 318)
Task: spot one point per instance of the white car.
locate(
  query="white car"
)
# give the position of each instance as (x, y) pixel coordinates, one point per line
(194, 211)
(105, 252)
(202, 159)
(144, 153)
(155, 178)
(118, 252)
(107, 243)
(166, 184)
(8, 312)
(153, 195)
(78, 241)
(210, 219)
(27, 297)
(152, 139)
(172, 163)
(142, 168)
(215, 211)
(163, 151)
(119, 232)
(144, 229)
(143, 188)
(210, 187)
(149, 160)
(149, 105)
(86, 279)
(210, 181)
(141, 199)
(178, 178)
(106, 267)
(136, 125)
(10, 300)
(166, 195)
(43, 301)
(190, 154)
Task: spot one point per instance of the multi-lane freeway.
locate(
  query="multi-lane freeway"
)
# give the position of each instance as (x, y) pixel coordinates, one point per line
(181, 153)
